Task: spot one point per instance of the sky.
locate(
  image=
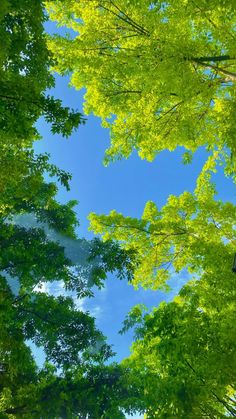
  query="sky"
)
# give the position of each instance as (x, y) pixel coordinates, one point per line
(125, 186)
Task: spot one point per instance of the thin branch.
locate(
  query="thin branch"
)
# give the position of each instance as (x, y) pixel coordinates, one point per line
(45, 319)
(123, 92)
(155, 233)
(129, 21)
(225, 404)
(170, 110)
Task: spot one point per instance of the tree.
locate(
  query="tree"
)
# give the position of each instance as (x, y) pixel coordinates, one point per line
(95, 392)
(25, 75)
(82, 387)
(38, 251)
(183, 350)
(184, 353)
(192, 231)
(160, 75)
(35, 251)
(70, 340)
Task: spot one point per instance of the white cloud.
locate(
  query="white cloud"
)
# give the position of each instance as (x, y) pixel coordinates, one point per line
(96, 312)
(80, 303)
(104, 289)
(42, 287)
(134, 416)
(57, 288)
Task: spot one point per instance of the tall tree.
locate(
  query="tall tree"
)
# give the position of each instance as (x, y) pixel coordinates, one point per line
(192, 231)
(83, 387)
(160, 75)
(35, 253)
(39, 251)
(184, 353)
(25, 75)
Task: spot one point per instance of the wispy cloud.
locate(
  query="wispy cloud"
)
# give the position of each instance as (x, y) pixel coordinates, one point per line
(96, 312)
(80, 303)
(42, 287)
(176, 282)
(77, 250)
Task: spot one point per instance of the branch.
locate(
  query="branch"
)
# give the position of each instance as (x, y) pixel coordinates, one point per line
(170, 110)
(155, 233)
(124, 92)
(215, 58)
(129, 21)
(225, 404)
(229, 74)
(45, 319)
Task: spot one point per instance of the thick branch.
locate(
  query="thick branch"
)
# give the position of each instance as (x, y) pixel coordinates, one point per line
(214, 59)
(229, 74)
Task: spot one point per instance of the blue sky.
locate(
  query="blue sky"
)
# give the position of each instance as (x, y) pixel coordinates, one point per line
(125, 186)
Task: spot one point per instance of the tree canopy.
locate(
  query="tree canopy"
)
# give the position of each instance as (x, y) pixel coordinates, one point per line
(160, 75)
(74, 381)
(192, 231)
(184, 353)
(25, 75)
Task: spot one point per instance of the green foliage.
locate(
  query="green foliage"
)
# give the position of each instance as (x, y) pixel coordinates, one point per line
(159, 75)
(63, 119)
(25, 254)
(67, 335)
(109, 257)
(84, 385)
(134, 316)
(24, 76)
(78, 384)
(187, 157)
(192, 231)
(185, 353)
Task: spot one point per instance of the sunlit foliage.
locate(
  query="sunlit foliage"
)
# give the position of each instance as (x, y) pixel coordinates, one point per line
(160, 75)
